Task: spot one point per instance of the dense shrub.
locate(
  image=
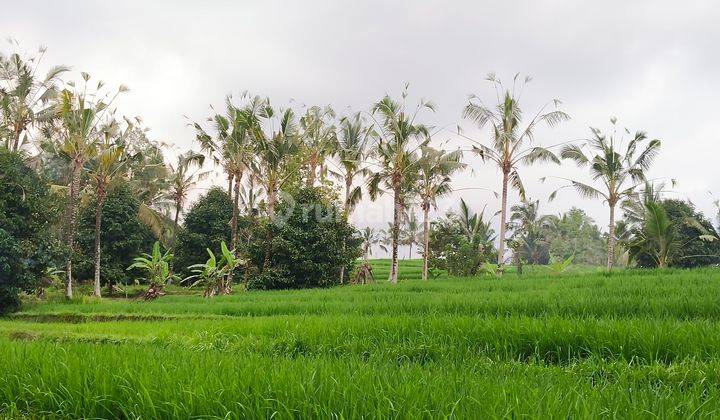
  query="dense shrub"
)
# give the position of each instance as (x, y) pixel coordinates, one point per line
(122, 237)
(456, 250)
(306, 244)
(27, 248)
(206, 225)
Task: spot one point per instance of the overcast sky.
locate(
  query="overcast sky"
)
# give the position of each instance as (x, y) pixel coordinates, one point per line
(653, 64)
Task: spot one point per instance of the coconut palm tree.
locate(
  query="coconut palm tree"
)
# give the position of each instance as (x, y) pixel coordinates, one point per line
(183, 176)
(276, 146)
(659, 237)
(371, 237)
(436, 169)
(354, 135)
(274, 135)
(410, 232)
(106, 168)
(231, 147)
(633, 206)
(76, 126)
(619, 170)
(398, 137)
(511, 141)
(351, 144)
(319, 140)
(24, 97)
(531, 230)
(476, 229)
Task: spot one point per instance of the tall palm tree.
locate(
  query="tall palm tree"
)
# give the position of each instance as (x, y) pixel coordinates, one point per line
(231, 147)
(531, 230)
(76, 123)
(410, 232)
(319, 138)
(106, 168)
(183, 176)
(277, 153)
(352, 143)
(397, 135)
(24, 97)
(615, 167)
(436, 169)
(276, 146)
(354, 135)
(511, 140)
(370, 237)
(473, 225)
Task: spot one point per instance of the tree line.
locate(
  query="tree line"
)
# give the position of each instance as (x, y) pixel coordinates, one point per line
(73, 140)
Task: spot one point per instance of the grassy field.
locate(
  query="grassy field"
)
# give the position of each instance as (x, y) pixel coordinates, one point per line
(583, 344)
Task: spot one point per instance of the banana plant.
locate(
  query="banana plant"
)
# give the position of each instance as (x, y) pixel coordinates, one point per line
(213, 275)
(157, 266)
(559, 266)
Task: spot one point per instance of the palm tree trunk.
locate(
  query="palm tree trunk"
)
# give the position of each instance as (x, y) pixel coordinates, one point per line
(503, 216)
(271, 215)
(346, 214)
(72, 216)
(395, 234)
(98, 220)
(233, 227)
(230, 185)
(611, 238)
(426, 239)
(272, 197)
(176, 226)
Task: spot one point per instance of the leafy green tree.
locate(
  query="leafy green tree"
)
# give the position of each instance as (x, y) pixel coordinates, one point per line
(575, 233)
(206, 225)
(27, 210)
(618, 171)
(123, 235)
(277, 147)
(307, 244)
(398, 135)
(510, 142)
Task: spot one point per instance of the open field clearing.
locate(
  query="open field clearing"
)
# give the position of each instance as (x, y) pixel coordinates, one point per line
(578, 344)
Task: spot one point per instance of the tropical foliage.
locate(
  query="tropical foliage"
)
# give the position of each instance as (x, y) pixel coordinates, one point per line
(27, 211)
(619, 167)
(311, 243)
(511, 141)
(295, 177)
(461, 242)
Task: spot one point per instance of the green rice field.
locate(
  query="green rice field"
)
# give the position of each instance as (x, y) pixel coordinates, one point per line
(583, 344)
